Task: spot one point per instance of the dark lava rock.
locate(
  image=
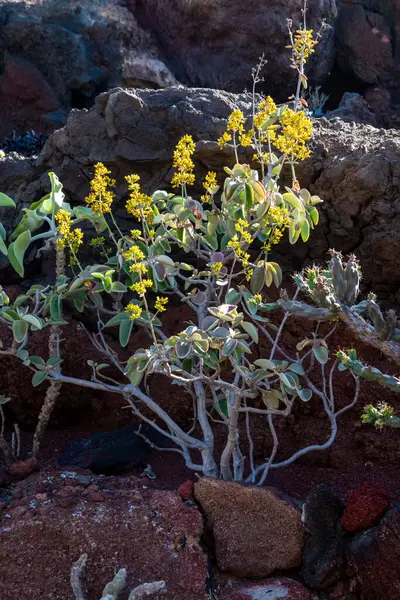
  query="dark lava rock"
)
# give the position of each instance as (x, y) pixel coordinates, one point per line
(108, 452)
(323, 555)
(375, 556)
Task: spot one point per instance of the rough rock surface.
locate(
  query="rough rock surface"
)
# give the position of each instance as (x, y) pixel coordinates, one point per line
(355, 168)
(232, 38)
(375, 555)
(55, 55)
(54, 518)
(254, 531)
(58, 55)
(365, 507)
(269, 589)
(353, 108)
(323, 559)
(108, 452)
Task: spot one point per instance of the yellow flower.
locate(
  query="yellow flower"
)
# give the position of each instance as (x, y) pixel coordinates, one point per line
(242, 227)
(160, 304)
(134, 254)
(216, 268)
(141, 286)
(303, 45)
(278, 218)
(224, 139)
(100, 197)
(69, 239)
(266, 109)
(183, 162)
(236, 121)
(134, 311)
(248, 274)
(210, 181)
(138, 268)
(206, 198)
(246, 138)
(135, 234)
(257, 298)
(138, 204)
(296, 132)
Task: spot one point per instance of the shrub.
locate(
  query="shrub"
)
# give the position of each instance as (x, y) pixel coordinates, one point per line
(227, 236)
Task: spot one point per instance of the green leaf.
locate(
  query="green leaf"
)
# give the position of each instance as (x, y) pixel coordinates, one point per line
(248, 196)
(118, 287)
(305, 230)
(56, 194)
(314, 214)
(293, 201)
(20, 329)
(3, 247)
(135, 376)
(321, 354)
(251, 330)
(38, 378)
(272, 398)
(286, 381)
(16, 251)
(125, 330)
(232, 296)
(257, 280)
(6, 201)
(229, 347)
(265, 363)
(305, 394)
(22, 354)
(33, 321)
(55, 307)
(296, 368)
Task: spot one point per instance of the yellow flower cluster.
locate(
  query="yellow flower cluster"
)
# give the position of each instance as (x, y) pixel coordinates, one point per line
(134, 254)
(183, 162)
(100, 197)
(246, 138)
(266, 109)
(210, 185)
(216, 268)
(138, 204)
(141, 286)
(160, 304)
(235, 124)
(279, 219)
(243, 256)
(296, 132)
(134, 311)
(135, 234)
(257, 298)
(303, 45)
(242, 227)
(97, 242)
(71, 239)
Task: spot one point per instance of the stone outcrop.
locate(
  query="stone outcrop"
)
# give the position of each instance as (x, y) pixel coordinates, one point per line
(254, 531)
(353, 167)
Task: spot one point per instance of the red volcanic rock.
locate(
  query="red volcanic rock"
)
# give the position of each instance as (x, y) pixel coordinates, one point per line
(365, 507)
(23, 468)
(268, 589)
(255, 532)
(186, 490)
(148, 532)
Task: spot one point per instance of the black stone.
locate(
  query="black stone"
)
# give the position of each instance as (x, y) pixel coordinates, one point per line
(112, 451)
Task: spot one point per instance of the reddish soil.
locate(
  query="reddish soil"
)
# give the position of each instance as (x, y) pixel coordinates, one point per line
(360, 453)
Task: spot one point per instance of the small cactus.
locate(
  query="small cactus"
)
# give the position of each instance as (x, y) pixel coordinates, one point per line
(114, 587)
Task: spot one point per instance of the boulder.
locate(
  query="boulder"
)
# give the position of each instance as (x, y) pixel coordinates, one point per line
(323, 556)
(355, 168)
(353, 108)
(268, 589)
(375, 556)
(253, 530)
(54, 519)
(365, 507)
(60, 55)
(111, 451)
(221, 41)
